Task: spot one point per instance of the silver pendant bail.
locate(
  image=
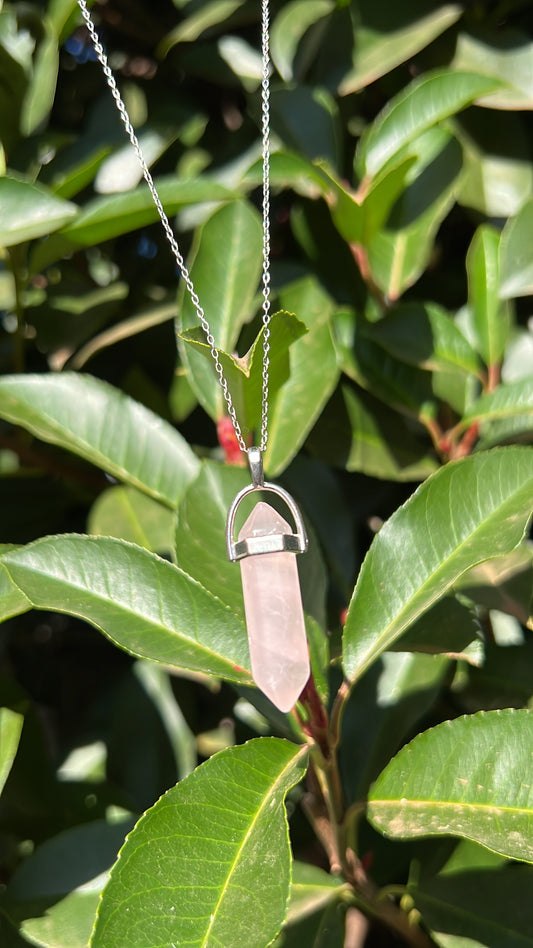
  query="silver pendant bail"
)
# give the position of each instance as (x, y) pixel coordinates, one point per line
(255, 460)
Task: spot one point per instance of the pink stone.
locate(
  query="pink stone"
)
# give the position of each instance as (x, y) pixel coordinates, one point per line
(274, 613)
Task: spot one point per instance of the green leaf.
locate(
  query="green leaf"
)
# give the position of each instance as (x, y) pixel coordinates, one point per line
(503, 53)
(55, 892)
(209, 864)
(448, 628)
(29, 210)
(490, 318)
(422, 104)
(498, 176)
(290, 25)
(467, 512)
(245, 375)
(200, 531)
(390, 34)
(145, 605)
(209, 15)
(10, 730)
(106, 217)
(505, 583)
(313, 916)
(382, 711)
(480, 908)
(12, 600)
(306, 119)
(509, 401)
(125, 513)
(425, 335)
(225, 269)
(401, 251)
(112, 431)
(314, 374)
(39, 96)
(516, 255)
(470, 777)
(381, 445)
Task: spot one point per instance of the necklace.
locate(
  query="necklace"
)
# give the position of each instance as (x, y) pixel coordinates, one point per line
(266, 545)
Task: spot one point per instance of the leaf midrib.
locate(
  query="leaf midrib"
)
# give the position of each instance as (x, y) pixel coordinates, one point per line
(244, 842)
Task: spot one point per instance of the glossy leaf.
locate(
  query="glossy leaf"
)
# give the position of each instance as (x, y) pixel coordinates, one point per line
(425, 102)
(127, 514)
(106, 217)
(489, 908)
(388, 35)
(209, 15)
(508, 400)
(382, 711)
(290, 25)
(399, 254)
(55, 892)
(245, 375)
(225, 269)
(311, 889)
(380, 446)
(314, 374)
(448, 628)
(498, 177)
(468, 512)
(113, 431)
(469, 777)
(203, 869)
(12, 600)
(10, 730)
(40, 94)
(145, 605)
(425, 335)
(516, 255)
(29, 210)
(490, 319)
(503, 53)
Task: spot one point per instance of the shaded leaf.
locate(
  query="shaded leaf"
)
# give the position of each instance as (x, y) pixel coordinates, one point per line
(426, 101)
(207, 16)
(382, 711)
(489, 908)
(29, 210)
(113, 431)
(504, 412)
(170, 875)
(467, 512)
(490, 320)
(448, 628)
(314, 374)
(290, 25)
(106, 217)
(504, 53)
(10, 730)
(387, 35)
(245, 375)
(516, 255)
(145, 605)
(425, 335)
(40, 93)
(470, 777)
(225, 269)
(127, 514)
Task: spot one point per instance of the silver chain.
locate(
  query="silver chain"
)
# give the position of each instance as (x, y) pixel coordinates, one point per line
(265, 113)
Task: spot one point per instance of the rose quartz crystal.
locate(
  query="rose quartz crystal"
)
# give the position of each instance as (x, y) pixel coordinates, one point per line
(274, 613)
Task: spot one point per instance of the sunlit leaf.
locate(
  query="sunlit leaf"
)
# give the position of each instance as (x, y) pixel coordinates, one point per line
(516, 255)
(29, 210)
(490, 318)
(144, 604)
(290, 25)
(426, 101)
(10, 730)
(206, 870)
(113, 431)
(467, 512)
(469, 777)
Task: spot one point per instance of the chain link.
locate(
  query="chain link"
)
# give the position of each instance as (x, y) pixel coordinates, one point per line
(265, 114)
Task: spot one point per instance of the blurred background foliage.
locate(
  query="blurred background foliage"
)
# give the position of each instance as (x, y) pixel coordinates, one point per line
(402, 238)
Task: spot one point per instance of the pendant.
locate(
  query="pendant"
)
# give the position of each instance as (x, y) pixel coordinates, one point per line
(266, 549)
